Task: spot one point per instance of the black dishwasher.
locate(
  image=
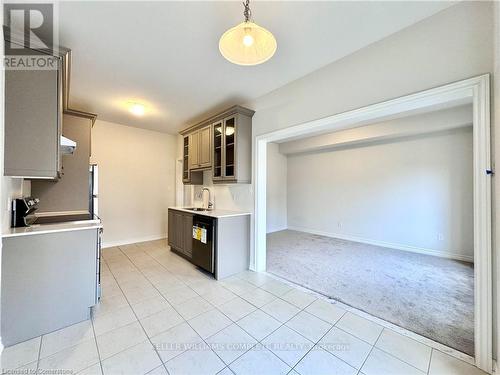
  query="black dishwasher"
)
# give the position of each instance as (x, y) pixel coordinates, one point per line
(204, 242)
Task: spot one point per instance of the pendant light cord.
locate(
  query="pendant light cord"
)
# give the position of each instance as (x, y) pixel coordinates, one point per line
(247, 12)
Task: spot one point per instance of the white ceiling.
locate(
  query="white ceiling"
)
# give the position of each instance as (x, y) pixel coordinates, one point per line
(165, 54)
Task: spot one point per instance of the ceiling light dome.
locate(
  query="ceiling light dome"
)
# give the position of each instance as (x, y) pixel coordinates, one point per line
(247, 43)
(137, 109)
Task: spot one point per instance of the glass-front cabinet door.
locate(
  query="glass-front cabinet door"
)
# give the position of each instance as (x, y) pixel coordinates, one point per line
(185, 161)
(229, 147)
(217, 159)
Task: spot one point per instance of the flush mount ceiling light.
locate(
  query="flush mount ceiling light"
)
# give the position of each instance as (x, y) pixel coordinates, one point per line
(137, 109)
(247, 43)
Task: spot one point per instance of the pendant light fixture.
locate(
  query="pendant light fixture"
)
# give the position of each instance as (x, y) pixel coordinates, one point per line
(247, 43)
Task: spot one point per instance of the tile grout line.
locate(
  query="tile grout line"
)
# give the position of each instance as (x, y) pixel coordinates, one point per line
(173, 307)
(351, 334)
(95, 339)
(65, 347)
(433, 345)
(142, 268)
(260, 341)
(371, 350)
(232, 322)
(430, 360)
(216, 308)
(163, 364)
(326, 333)
(400, 359)
(148, 338)
(372, 345)
(257, 309)
(39, 354)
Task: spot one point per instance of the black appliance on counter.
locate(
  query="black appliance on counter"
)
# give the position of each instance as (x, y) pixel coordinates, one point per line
(22, 211)
(204, 242)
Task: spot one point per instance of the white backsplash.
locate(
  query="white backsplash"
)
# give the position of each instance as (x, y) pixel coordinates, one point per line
(234, 197)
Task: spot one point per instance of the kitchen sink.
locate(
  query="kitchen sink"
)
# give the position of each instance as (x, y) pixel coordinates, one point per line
(197, 209)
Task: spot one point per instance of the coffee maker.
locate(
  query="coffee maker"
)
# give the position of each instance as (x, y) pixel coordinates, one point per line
(22, 210)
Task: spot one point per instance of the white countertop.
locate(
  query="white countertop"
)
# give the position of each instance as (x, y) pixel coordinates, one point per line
(52, 228)
(213, 213)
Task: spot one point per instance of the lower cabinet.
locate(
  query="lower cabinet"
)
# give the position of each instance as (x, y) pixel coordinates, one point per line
(180, 229)
(48, 282)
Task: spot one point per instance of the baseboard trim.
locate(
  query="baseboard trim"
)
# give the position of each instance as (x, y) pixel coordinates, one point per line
(277, 230)
(413, 249)
(129, 241)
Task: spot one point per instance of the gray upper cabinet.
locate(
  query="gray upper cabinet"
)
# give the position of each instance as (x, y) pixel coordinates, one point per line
(200, 152)
(189, 176)
(193, 150)
(35, 101)
(185, 159)
(33, 116)
(233, 149)
(224, 146)
(217, 150)
(205, 150)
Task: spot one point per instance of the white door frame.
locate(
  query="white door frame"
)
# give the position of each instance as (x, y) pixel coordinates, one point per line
(475, 90)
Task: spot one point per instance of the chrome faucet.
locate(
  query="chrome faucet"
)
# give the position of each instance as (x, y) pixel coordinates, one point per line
(210, 203)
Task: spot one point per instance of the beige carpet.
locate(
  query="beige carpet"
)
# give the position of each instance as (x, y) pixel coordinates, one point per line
(431, 296)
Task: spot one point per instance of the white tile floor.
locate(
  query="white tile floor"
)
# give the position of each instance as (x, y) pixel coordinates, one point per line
(160, 315)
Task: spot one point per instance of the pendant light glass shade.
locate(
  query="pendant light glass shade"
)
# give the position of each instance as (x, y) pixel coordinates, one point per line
(247, 44)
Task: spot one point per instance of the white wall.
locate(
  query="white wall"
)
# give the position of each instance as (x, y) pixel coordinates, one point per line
(236, 197)
(136, 181)
(276, 210)
(449, 46)
(423, 123)
(495, 192)
(413, 194)
(239, 197)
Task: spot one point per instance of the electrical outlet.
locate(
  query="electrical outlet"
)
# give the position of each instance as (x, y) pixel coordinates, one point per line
(440, 237)
(9, 204)
(339, 225)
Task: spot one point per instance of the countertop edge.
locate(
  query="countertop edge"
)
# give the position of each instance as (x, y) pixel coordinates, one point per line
(56, 228)
(214, 213)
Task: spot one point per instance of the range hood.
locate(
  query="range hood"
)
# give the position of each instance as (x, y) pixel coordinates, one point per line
(67, 146)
